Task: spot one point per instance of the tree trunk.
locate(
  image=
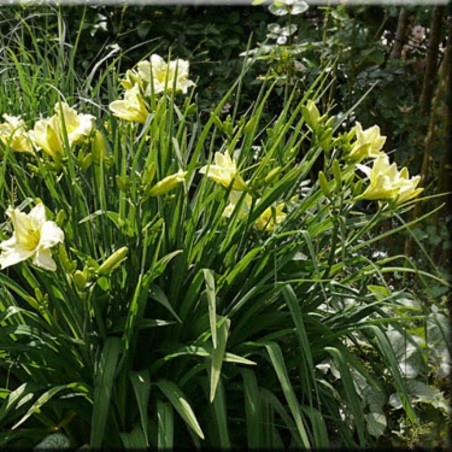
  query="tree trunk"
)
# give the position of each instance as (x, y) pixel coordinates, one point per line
(428, 85)
(400, 34)
(432, 59)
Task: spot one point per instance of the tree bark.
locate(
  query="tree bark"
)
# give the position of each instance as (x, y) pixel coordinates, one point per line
(432, 59)
(428, 86)
(400, 34)
(445, 175)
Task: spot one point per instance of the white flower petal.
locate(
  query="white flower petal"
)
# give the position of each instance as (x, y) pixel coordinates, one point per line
(38, 214)
(14, 255)
(51, 234)
(43, 259)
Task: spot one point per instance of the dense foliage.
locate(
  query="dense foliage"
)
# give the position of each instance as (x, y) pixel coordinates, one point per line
(191, 255)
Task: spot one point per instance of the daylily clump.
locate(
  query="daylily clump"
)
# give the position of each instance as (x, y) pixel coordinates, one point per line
(49, 133)
(33, 237)
(386, 182)
(14, 133)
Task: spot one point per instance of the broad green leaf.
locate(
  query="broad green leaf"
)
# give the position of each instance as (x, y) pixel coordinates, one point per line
(177, 398)
(376, 424)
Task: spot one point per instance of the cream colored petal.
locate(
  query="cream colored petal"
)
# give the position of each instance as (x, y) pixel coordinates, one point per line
(365, 169)
(43, 259)
(10, 243)
(38, 214)
(51, 234)
(14, 255)
(21, 224)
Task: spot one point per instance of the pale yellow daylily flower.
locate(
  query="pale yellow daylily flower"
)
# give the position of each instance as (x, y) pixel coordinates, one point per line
(387, 182)
(270, 218)
(224, 172)
(368, 142)
(132, 107)
(14, 133)
(78, 126)
(161, 76)
(234, 198)
(168, 183)
(33, 237)
(407, 190)
(131, 79)
(46, 135)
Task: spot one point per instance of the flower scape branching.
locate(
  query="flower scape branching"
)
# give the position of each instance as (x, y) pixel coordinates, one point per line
(170, 241)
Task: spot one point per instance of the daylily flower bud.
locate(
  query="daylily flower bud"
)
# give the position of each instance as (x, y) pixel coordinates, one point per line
(61, 216)
(272, 174)
(311, 114)
(337, 174)
(168, 183)
(65, 262)
(99, 147)
(149, 173)
(324, 184)
(80, 279)
(113, 261)
(325, 139)
(87, 162)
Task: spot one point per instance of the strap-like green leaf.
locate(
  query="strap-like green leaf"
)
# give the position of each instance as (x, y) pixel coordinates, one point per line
(142, 388)
(177, 398)
(103, 384)
(218, 354)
